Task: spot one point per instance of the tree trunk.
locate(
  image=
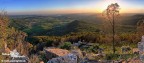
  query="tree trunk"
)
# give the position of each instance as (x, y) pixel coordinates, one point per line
(113, 26)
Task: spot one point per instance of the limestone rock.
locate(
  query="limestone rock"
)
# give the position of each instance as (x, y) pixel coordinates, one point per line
(74, 57)
(55, 52)
(70, 58)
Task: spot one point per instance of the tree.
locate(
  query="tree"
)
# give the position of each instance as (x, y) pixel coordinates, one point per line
(3, 31)
(111, 14)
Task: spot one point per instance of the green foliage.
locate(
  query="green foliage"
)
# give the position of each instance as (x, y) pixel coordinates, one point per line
(94, 48)
(49, 40)
(112, 56)
(43, 56)
(43, 25)
(49, 43)
(81, 26)
(65, 24)
(66, 45)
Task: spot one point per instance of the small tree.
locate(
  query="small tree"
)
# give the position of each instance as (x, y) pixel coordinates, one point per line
(111, 14)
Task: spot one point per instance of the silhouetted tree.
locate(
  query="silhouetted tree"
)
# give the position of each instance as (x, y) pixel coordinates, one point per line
(111, 14)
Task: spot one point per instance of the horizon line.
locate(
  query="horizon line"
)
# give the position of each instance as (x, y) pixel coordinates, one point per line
(71, 13)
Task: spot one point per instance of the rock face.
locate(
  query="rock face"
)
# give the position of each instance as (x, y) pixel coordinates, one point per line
(70, 58)
(141, 45)
(78, 53)
(141, 49)
(55, 52)
(135, 50)
(73, 57)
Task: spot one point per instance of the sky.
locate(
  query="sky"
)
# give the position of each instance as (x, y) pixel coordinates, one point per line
(68, 6)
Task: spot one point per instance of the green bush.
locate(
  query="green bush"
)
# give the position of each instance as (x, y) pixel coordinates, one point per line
(94, 48)
(112, 56)
(66, 45)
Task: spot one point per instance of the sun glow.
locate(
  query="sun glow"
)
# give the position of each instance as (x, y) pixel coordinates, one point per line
(102, 5)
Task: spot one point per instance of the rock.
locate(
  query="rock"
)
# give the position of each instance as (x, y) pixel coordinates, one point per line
(141, 45)
(142, 40)
(70, 58)
(14, 55)
(77, 52)
(55, 52)
(74, 57)
(135, 50)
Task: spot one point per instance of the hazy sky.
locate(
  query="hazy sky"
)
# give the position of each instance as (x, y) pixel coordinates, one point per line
(68, 6)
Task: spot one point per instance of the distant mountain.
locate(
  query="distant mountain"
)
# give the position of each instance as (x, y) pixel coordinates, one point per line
(132, 20)
(74, 26)
(55, 24)
(65, 24)
(80, 26)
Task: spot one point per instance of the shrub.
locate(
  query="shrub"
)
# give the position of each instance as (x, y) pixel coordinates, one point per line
(66, 45)
(112, 56)
(34, 59)
(49, 43)
(94, 48)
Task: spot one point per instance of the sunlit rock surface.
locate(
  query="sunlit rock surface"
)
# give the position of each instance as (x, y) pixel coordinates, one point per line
(73, 57)
(55, 52)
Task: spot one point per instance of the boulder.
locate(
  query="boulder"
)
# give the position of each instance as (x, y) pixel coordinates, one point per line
(75, 56)
(77, 52)
(70, 58)
(55, 52)
(135, 50)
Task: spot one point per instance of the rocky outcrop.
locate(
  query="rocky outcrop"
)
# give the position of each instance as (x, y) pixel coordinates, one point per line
(75, 56)
(141, 49)
(55, 52)
(141, 45)
(70, 58)
(135, 51)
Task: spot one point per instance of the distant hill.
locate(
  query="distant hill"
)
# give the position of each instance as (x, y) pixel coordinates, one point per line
(132, 20)
(67, 23)
(81, 26)
(74, 26)
(55, 24)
